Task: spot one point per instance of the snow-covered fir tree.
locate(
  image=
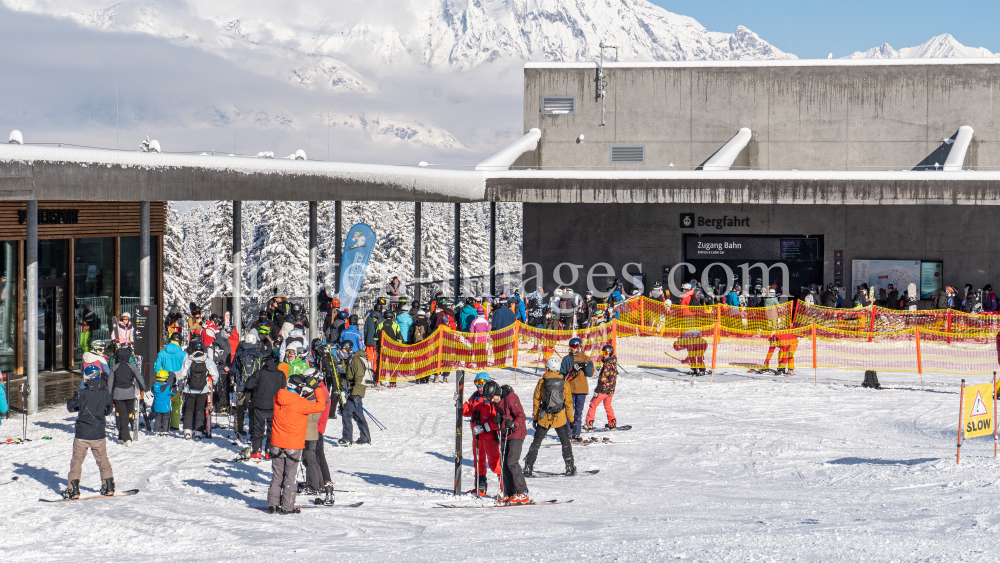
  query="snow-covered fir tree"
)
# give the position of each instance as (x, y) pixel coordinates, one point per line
(178, 284)
(278, 258)
(216, 279)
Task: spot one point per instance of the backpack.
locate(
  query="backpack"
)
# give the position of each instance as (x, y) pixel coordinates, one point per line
(554, 389)
(197, 376)
(245, 364)
(871, 380)
(419, 333)
(369, 371)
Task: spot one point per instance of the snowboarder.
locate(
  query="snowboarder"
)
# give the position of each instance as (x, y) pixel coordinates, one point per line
(553, 409)
(124, 380)
(605, 389)
(695, 346)
(576, 367)
(354, 405)
(198, 377)
(510, 422)
(163, 393)
(291, 420)
(264, 384)
(485, 446)
(94, 404)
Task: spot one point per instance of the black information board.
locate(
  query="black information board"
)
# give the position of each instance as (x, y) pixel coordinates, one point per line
(144, 320)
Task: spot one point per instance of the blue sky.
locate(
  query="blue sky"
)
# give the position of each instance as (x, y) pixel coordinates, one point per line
(816, 28)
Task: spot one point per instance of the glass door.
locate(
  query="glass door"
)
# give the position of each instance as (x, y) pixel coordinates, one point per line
(52, 327)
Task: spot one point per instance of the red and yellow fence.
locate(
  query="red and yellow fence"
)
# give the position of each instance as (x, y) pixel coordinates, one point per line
(646, 333)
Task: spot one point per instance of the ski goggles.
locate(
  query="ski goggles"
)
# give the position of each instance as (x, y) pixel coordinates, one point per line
(480, 382)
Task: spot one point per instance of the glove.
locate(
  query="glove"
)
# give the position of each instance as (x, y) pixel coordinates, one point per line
(510, 425)
(534, 424)
(498, 419)
(477, 430)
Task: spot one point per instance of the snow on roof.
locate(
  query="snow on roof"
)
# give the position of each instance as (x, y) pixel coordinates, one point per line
(754, 175)
(767, 63)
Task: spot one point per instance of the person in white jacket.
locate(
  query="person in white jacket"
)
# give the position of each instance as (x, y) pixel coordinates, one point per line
(198, 375)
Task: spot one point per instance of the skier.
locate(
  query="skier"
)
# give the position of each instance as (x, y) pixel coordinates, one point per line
(318, 479)
(211, 329)
(124, 380)
(95, 357)
(485, 447)
(480, 327)
(830, 296)
(163, 393)
(504, 315)
(123, 333)
(337, 326)
(605, 389)
(198, 376)
(354, 405)
(466, 314)
(510, 421)
(405, 323)
(171, 359)
(695, 346)
(247, 361)
(264, 383)
(576, 367)
(291, 420)
(371, 324)
(221, 353)
(352, 334)
(553, 410)
(195, 324)
(294, 364)
(94, 403)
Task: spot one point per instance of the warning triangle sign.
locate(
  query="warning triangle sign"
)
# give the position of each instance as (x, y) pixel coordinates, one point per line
(979, 408)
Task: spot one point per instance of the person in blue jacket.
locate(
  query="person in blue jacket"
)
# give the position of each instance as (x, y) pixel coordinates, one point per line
(405, 322)
(163, 393)
(466, 315)
(3, 395)
(520, 311)
(171, 359)
(353, 334)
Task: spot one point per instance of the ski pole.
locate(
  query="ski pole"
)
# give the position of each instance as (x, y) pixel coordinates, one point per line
(375, 420)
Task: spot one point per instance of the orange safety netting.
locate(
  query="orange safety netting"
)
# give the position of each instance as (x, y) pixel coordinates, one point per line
(648, 333)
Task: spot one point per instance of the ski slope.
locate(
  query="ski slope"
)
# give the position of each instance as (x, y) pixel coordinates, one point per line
(737, 467)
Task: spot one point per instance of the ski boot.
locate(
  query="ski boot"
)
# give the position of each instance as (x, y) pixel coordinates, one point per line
(781, 371)
(244, 454)
(363, 441)
(519, 498)
(199, 435)
(108, 487)
(611, 425)
(328, 498)
(570, 469)
(528, 470)
(292, 511)
(187, 435)
(344, 442)
(256, 455)
(272, 509)
(481, 490)
(576, 440)
(72, 492)
(589, 427)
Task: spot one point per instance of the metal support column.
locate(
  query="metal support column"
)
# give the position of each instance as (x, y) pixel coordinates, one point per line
(338, 244)
(238, 267)
(144, 254)
(31, 295)
(458, 249)
(493, 248)
(417, 251)
(313, 297)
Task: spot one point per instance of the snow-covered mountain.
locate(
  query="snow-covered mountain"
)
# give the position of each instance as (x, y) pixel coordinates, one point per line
(941, 47)
(373, 53)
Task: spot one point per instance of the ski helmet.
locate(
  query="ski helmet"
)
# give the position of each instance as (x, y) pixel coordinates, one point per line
(162, 375)
(91, 371)
(553, 363)
(98, 346)
(575, 343)
(251, 337)
(295, 383)
(481, 378)
(343, 315)
(491, 389)
(347, 346)
(608, 350)
(176, 337)
(388, 316)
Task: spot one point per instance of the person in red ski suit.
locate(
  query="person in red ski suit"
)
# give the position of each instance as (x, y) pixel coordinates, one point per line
(786, 345)
(485, 446)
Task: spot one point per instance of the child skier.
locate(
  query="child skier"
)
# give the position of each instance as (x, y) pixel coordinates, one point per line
(695, 346)
(786, 345)
(485, 447)
(288, 439)
(163, 393)
(605, 390)
(94, 404)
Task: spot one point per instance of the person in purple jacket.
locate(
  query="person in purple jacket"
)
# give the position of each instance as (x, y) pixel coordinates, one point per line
(510, 419)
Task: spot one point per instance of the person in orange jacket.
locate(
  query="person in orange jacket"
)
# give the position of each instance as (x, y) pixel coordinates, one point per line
(292, 407)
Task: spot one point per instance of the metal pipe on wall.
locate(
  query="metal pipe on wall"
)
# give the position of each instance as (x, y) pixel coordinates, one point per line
(493, 248)
(338, 243)
(313, 297)
(458, 249)
(144, 270)
(417, 250)
(31, 294)
(238, 266)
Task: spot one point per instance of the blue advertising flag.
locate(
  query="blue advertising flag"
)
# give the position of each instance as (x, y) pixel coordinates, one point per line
(357, 252)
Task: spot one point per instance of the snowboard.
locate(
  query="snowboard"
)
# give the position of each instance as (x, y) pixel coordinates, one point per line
(354, 505)
(256, 491)
(619, 429)
(589, 442)
(544, 503)
(540, 474)
(254, 461)
(122, 494)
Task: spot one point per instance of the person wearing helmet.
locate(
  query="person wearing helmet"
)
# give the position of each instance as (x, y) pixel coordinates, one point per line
(288, 439)
(263, 385)
(785, 343)
(370, 331)
(352, 334)
(95, 358)
(388, 328)
(405, 322)
(354, 411)
(695, 345)
(296, 335)
(265, 327)
(123, 333)
(211, 329)
(198, 376)
(163, 394)
(248, 359)
(318, 479)
(293, 364)
(688, 299)
(485, 444)
(94, 403)
(122, 384)
(553, 409)
(171, 359)
(605, 390)
(336, 325)
(576, 368)
(510, 422)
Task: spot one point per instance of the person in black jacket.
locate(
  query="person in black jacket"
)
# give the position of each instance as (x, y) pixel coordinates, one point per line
(264, 383)
(94, 404)
(124, 381)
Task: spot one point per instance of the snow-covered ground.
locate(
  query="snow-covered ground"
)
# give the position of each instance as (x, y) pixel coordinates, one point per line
(739, 467)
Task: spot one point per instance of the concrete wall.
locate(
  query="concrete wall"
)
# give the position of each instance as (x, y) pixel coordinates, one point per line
(965, 238)
(809, 115)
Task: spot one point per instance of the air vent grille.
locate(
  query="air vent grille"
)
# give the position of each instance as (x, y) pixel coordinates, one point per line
(558, 104)
(628, 154)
